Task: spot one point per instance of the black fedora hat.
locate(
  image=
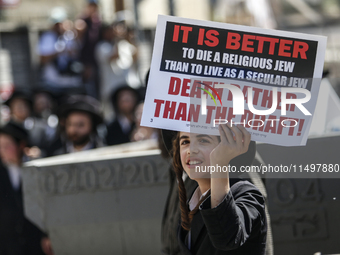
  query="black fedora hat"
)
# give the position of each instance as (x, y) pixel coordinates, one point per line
(245, 159)
(17, 131)
(82, 103)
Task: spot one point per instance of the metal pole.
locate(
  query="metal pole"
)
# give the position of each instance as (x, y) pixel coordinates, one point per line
(140, 38)
(171, 7)
(0, 10)
(135, 8)
(212, 9)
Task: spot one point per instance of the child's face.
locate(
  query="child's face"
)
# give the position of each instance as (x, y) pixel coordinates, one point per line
(195, 152)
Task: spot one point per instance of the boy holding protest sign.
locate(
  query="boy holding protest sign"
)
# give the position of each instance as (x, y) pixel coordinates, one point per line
(207, 74)
(227, 216)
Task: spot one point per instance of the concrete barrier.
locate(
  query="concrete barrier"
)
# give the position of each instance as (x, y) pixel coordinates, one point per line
(104, 201)
(111, 200)
(304, 208)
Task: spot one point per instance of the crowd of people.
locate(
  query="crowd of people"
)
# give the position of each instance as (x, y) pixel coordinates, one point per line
(88, 95)
(86, 98)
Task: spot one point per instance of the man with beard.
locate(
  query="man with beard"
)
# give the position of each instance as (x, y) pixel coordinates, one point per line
(79, 118)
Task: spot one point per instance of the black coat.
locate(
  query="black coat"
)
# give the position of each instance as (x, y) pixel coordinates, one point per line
(236, 226)
(115, 134)
(18, 236)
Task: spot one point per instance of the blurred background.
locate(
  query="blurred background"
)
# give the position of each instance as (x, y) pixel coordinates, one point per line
(22, 23)
(73, 77)
(77, 29)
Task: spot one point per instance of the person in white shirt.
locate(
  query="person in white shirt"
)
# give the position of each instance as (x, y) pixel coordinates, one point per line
(116, 57)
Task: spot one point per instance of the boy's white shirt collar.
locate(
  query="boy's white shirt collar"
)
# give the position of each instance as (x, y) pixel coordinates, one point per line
(14, 173)
(195, 198)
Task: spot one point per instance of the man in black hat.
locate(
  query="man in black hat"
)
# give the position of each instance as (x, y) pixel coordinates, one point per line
(18, 236)
(79, 119)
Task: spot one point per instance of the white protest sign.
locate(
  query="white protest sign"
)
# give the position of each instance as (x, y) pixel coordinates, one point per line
(202, 74)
